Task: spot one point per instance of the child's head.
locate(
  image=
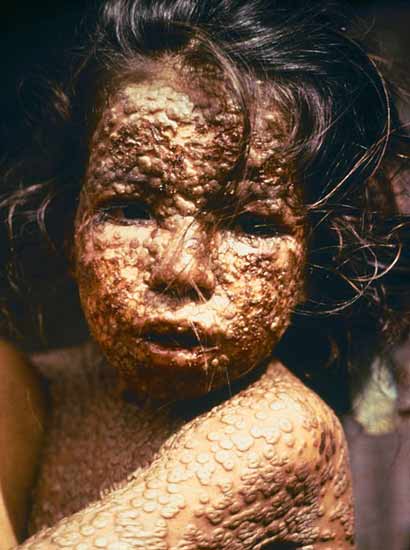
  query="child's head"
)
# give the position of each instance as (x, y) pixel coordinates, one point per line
(235, 161)
(187, 277)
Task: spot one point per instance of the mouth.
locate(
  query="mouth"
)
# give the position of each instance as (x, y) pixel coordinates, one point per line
(175, 338)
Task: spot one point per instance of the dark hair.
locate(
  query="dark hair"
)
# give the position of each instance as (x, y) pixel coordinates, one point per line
(345, 141)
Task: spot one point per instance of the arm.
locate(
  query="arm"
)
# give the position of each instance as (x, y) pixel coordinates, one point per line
(21, 434)
(268, 465)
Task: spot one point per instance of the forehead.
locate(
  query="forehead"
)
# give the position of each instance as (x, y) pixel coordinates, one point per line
(173, 133)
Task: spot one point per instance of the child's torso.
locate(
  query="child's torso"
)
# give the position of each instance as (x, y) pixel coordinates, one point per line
(96, 439)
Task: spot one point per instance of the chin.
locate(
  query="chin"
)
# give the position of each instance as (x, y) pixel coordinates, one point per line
(178, 376)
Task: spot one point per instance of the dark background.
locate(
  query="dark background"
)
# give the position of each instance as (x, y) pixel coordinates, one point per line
(35, 34)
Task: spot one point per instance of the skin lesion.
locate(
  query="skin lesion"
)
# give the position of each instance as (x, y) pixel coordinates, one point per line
(169, 247)
(266, 467)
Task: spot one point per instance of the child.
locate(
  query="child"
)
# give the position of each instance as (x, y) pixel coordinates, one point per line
(227, 207)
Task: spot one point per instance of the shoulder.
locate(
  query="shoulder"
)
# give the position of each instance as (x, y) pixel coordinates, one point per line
(22, 418)
(22, 393)
(284, 454)
(280, 413)
(312, 453)
(310, 423)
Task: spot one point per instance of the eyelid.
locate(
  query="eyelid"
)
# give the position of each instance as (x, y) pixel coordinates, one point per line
(263, 218)
(135, 210)
(112, 201)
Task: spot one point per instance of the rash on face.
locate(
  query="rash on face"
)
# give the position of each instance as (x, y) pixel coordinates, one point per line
(186, 280)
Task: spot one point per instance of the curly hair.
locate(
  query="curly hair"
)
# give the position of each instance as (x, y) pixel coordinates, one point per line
(345, 140)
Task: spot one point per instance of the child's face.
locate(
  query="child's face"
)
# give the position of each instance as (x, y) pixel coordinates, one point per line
(184, 286)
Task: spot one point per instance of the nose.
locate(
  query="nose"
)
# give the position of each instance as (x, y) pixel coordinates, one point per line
(184, 267)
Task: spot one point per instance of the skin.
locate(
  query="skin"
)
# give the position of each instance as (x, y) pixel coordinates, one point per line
(268, 464)
(188, 281)
(22, 429)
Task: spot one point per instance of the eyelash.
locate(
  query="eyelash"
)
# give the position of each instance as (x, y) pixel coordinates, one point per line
(127, 212)
(258, 225)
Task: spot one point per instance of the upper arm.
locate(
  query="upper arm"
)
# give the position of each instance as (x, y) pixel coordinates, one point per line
(320, 454)
(21, 432)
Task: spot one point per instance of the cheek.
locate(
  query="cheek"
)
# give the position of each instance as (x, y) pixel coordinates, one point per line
(265, 286)
(112, 274)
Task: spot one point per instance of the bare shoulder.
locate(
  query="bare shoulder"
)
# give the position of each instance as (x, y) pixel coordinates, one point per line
(312, 427)
(312, 443)
(22, 417)
(283, 453)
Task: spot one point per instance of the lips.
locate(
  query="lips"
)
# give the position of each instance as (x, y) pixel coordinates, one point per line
(174, 337)
(171, 340)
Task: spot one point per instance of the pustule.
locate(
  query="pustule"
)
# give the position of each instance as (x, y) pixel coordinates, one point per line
(187, 278)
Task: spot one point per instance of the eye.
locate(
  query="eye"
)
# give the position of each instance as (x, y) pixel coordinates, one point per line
(259, 225)
(128, 211)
